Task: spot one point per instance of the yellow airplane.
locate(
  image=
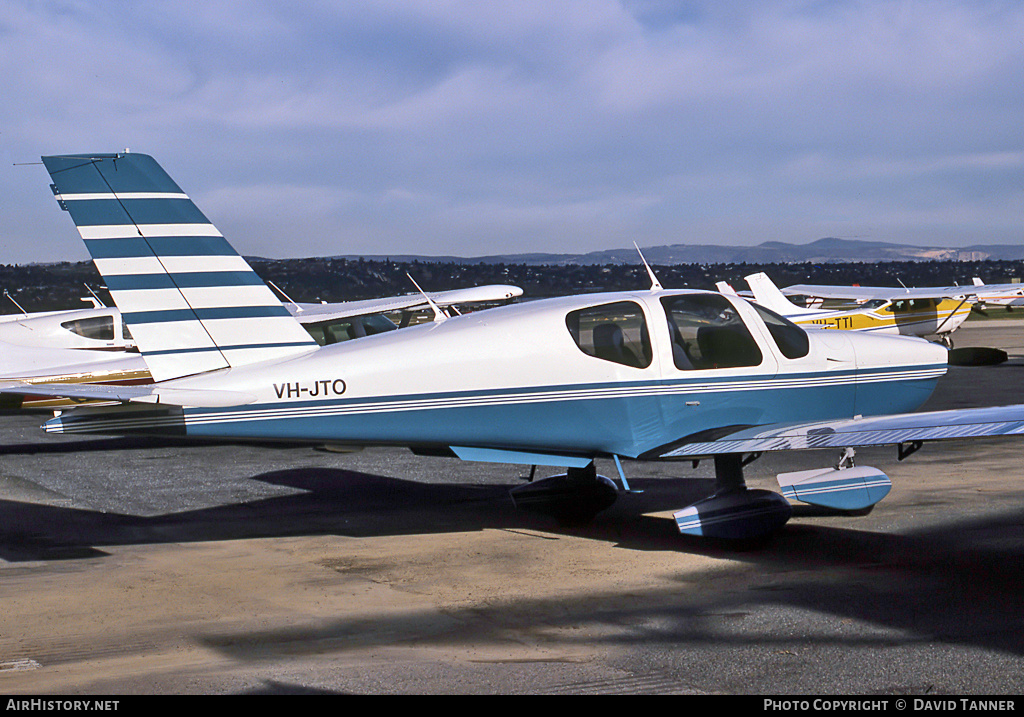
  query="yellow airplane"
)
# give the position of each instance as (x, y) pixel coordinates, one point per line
(907, 312)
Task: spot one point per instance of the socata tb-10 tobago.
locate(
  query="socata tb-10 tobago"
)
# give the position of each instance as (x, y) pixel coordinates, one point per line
(647, 374)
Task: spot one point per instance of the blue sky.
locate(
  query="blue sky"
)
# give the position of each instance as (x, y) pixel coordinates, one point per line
(449, 127)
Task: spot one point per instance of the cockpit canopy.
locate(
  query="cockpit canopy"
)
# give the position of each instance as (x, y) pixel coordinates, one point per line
(705, 329)
(614, 332)
(353, 327)
(100, 328)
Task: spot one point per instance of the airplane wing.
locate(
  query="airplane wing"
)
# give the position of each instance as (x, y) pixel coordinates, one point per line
(150, 393)
(892, 429)
(1000, 294)
(315, 313)
(890, 293)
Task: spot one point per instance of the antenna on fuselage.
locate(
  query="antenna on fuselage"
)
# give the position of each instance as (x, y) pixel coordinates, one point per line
(655, 284)
(438, 314)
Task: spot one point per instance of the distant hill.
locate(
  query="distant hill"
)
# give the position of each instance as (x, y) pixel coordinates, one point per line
(827, 250)
(44, 287)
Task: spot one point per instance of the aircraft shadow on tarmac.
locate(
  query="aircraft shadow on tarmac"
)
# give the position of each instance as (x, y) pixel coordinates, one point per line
(956, 584)
(330, 501)
(127, 443)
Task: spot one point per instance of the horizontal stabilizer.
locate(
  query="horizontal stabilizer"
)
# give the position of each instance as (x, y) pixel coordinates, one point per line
(199, 398)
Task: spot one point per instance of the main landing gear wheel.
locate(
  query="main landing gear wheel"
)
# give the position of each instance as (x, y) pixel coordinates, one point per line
(572, 498)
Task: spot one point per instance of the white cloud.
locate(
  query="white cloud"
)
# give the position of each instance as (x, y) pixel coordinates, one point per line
(535, 125)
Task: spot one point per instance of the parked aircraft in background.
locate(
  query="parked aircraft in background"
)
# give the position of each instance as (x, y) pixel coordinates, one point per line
(98, 329)
(974, 292)
(95, 345)
(75, 346)
(331, 323)
(652, 374)
(1007, 295)
(928, 312)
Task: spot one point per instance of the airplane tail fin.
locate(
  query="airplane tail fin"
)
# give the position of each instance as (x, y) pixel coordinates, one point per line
(724, 287)
(768, 295)
(193, 304)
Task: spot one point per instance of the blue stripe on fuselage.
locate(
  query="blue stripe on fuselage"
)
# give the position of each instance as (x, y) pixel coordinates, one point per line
(624, 419)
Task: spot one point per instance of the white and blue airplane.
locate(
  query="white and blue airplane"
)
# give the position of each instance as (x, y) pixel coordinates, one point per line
(647, 374)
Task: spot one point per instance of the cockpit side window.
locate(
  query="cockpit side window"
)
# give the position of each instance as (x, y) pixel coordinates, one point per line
(906, 305)
(100, 328)
(335, 331)
(790, 338)
(707, 333)
(612, 332)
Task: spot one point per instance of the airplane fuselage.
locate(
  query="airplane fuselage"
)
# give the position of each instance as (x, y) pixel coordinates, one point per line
(918, 317)
(537, 377)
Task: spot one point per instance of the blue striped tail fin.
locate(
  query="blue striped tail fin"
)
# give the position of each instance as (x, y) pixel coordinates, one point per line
(192, 302)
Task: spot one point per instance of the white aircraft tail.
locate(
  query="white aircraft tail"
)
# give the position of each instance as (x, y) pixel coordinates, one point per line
(768, 295)
(192, 303)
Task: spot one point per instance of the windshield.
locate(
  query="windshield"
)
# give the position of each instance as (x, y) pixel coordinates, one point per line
(100, 328)
(707, 333)
(790, 338)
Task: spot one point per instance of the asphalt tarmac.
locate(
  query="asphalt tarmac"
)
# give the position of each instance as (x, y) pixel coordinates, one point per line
(150, 567)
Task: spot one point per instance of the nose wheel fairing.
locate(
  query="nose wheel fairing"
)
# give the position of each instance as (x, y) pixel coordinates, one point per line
(735, 515)
(734, 512)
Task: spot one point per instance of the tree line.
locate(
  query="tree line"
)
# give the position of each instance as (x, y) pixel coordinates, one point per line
(50, 287)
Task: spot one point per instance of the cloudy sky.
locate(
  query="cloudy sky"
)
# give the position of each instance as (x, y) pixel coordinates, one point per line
(450, 127)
